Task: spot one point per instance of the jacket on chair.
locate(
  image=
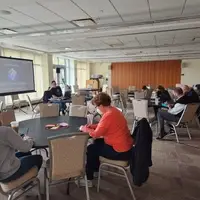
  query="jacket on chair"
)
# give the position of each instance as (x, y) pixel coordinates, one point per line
(141, 158)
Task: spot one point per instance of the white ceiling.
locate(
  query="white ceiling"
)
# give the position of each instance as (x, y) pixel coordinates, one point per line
(122, 30)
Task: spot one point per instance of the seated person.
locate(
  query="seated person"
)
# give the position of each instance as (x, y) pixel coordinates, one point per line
(145, 90)
(55, 90)
(14, 165)
(190, 96)
(57, 93)
(173, 114)
(163, 94)
(116, 141)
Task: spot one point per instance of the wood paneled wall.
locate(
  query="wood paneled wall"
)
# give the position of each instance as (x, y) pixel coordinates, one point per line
(166, 73)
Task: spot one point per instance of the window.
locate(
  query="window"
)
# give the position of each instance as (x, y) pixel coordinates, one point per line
(37, 64)
(82, 74)
(67, 73)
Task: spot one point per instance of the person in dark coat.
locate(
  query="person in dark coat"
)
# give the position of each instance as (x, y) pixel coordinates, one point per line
(142, 152)
(163, 94)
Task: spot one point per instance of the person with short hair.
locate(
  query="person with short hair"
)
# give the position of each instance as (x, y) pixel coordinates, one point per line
(112, 136)
(190, 96)
(163, 94)
(57, 93)
(173, 114)
(14, 165)
(55, 89)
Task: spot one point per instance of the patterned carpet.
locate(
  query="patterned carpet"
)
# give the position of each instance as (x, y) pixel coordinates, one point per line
(175, 174)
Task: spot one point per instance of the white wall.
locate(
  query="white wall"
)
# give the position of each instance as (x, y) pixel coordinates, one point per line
(102, 69)
(191, 71)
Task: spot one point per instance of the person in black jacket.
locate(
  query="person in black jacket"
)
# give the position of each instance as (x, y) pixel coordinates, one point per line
(190, 96)
(163, 94)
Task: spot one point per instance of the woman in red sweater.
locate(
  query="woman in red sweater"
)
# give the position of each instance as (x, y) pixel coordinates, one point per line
(112, 136)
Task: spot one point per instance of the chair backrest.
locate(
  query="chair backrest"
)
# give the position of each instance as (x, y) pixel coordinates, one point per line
(132, 88)
(115, 89)
(78, 111)
(49, 110)
(140, 108)
(1, 106)
(123, 102)
(148, 94)
(15, 97)
(189, 113)
(124, 92)
(67, 155)
(75, 87)
(78, 100)
(139, 95)
(6, 117)
(29, 102)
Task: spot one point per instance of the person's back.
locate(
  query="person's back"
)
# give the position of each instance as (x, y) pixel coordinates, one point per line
(117, 132)
(9, 142)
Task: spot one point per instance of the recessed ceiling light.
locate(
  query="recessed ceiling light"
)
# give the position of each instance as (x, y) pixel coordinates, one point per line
(84, 22)
(5, 12)
(7, 31)
(67, 48)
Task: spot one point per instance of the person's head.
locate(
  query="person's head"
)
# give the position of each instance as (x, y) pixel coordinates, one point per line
(185, 89)
(102, 101)
(53, 84)
(178, 92)
(144, 87)
(161, 88)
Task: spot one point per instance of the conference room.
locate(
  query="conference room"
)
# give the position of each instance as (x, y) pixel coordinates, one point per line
(99, 99)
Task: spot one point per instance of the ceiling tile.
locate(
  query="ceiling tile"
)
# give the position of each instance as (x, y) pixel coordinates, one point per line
(192, 7)
(146, 39)
(97, 9)
(20, 18)
(166, 8)
(132, 10)
(39, 13)
(64, 8)
(7, 24)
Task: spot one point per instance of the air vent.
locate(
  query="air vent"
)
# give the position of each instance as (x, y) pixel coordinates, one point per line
(84, 22)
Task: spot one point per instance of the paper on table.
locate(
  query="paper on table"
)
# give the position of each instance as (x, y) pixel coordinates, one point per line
(63, 124)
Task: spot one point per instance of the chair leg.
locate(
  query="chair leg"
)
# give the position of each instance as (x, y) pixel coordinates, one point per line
(86, 188)
(134, 125)
(197, 121)
(10, 197)
(129, 184)
(39, 189)
(176, 134)
(47, 188)
(99, 178)
(188, 131)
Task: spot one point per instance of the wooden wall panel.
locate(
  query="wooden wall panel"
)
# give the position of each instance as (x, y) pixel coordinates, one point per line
(166, 73)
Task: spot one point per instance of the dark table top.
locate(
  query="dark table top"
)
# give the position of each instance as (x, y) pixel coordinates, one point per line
(37, 131)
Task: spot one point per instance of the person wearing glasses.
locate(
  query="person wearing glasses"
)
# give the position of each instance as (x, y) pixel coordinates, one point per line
(112, 138)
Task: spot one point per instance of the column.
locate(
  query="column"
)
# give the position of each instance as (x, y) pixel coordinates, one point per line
(47, 69)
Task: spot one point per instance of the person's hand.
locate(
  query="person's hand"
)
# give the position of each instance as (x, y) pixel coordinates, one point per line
(26, 137)
(83, 128)
(91, 126)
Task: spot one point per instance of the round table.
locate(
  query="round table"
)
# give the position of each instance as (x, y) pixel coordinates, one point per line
(37, 131)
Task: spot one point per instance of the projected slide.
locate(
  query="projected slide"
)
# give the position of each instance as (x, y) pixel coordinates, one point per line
(16, 76)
